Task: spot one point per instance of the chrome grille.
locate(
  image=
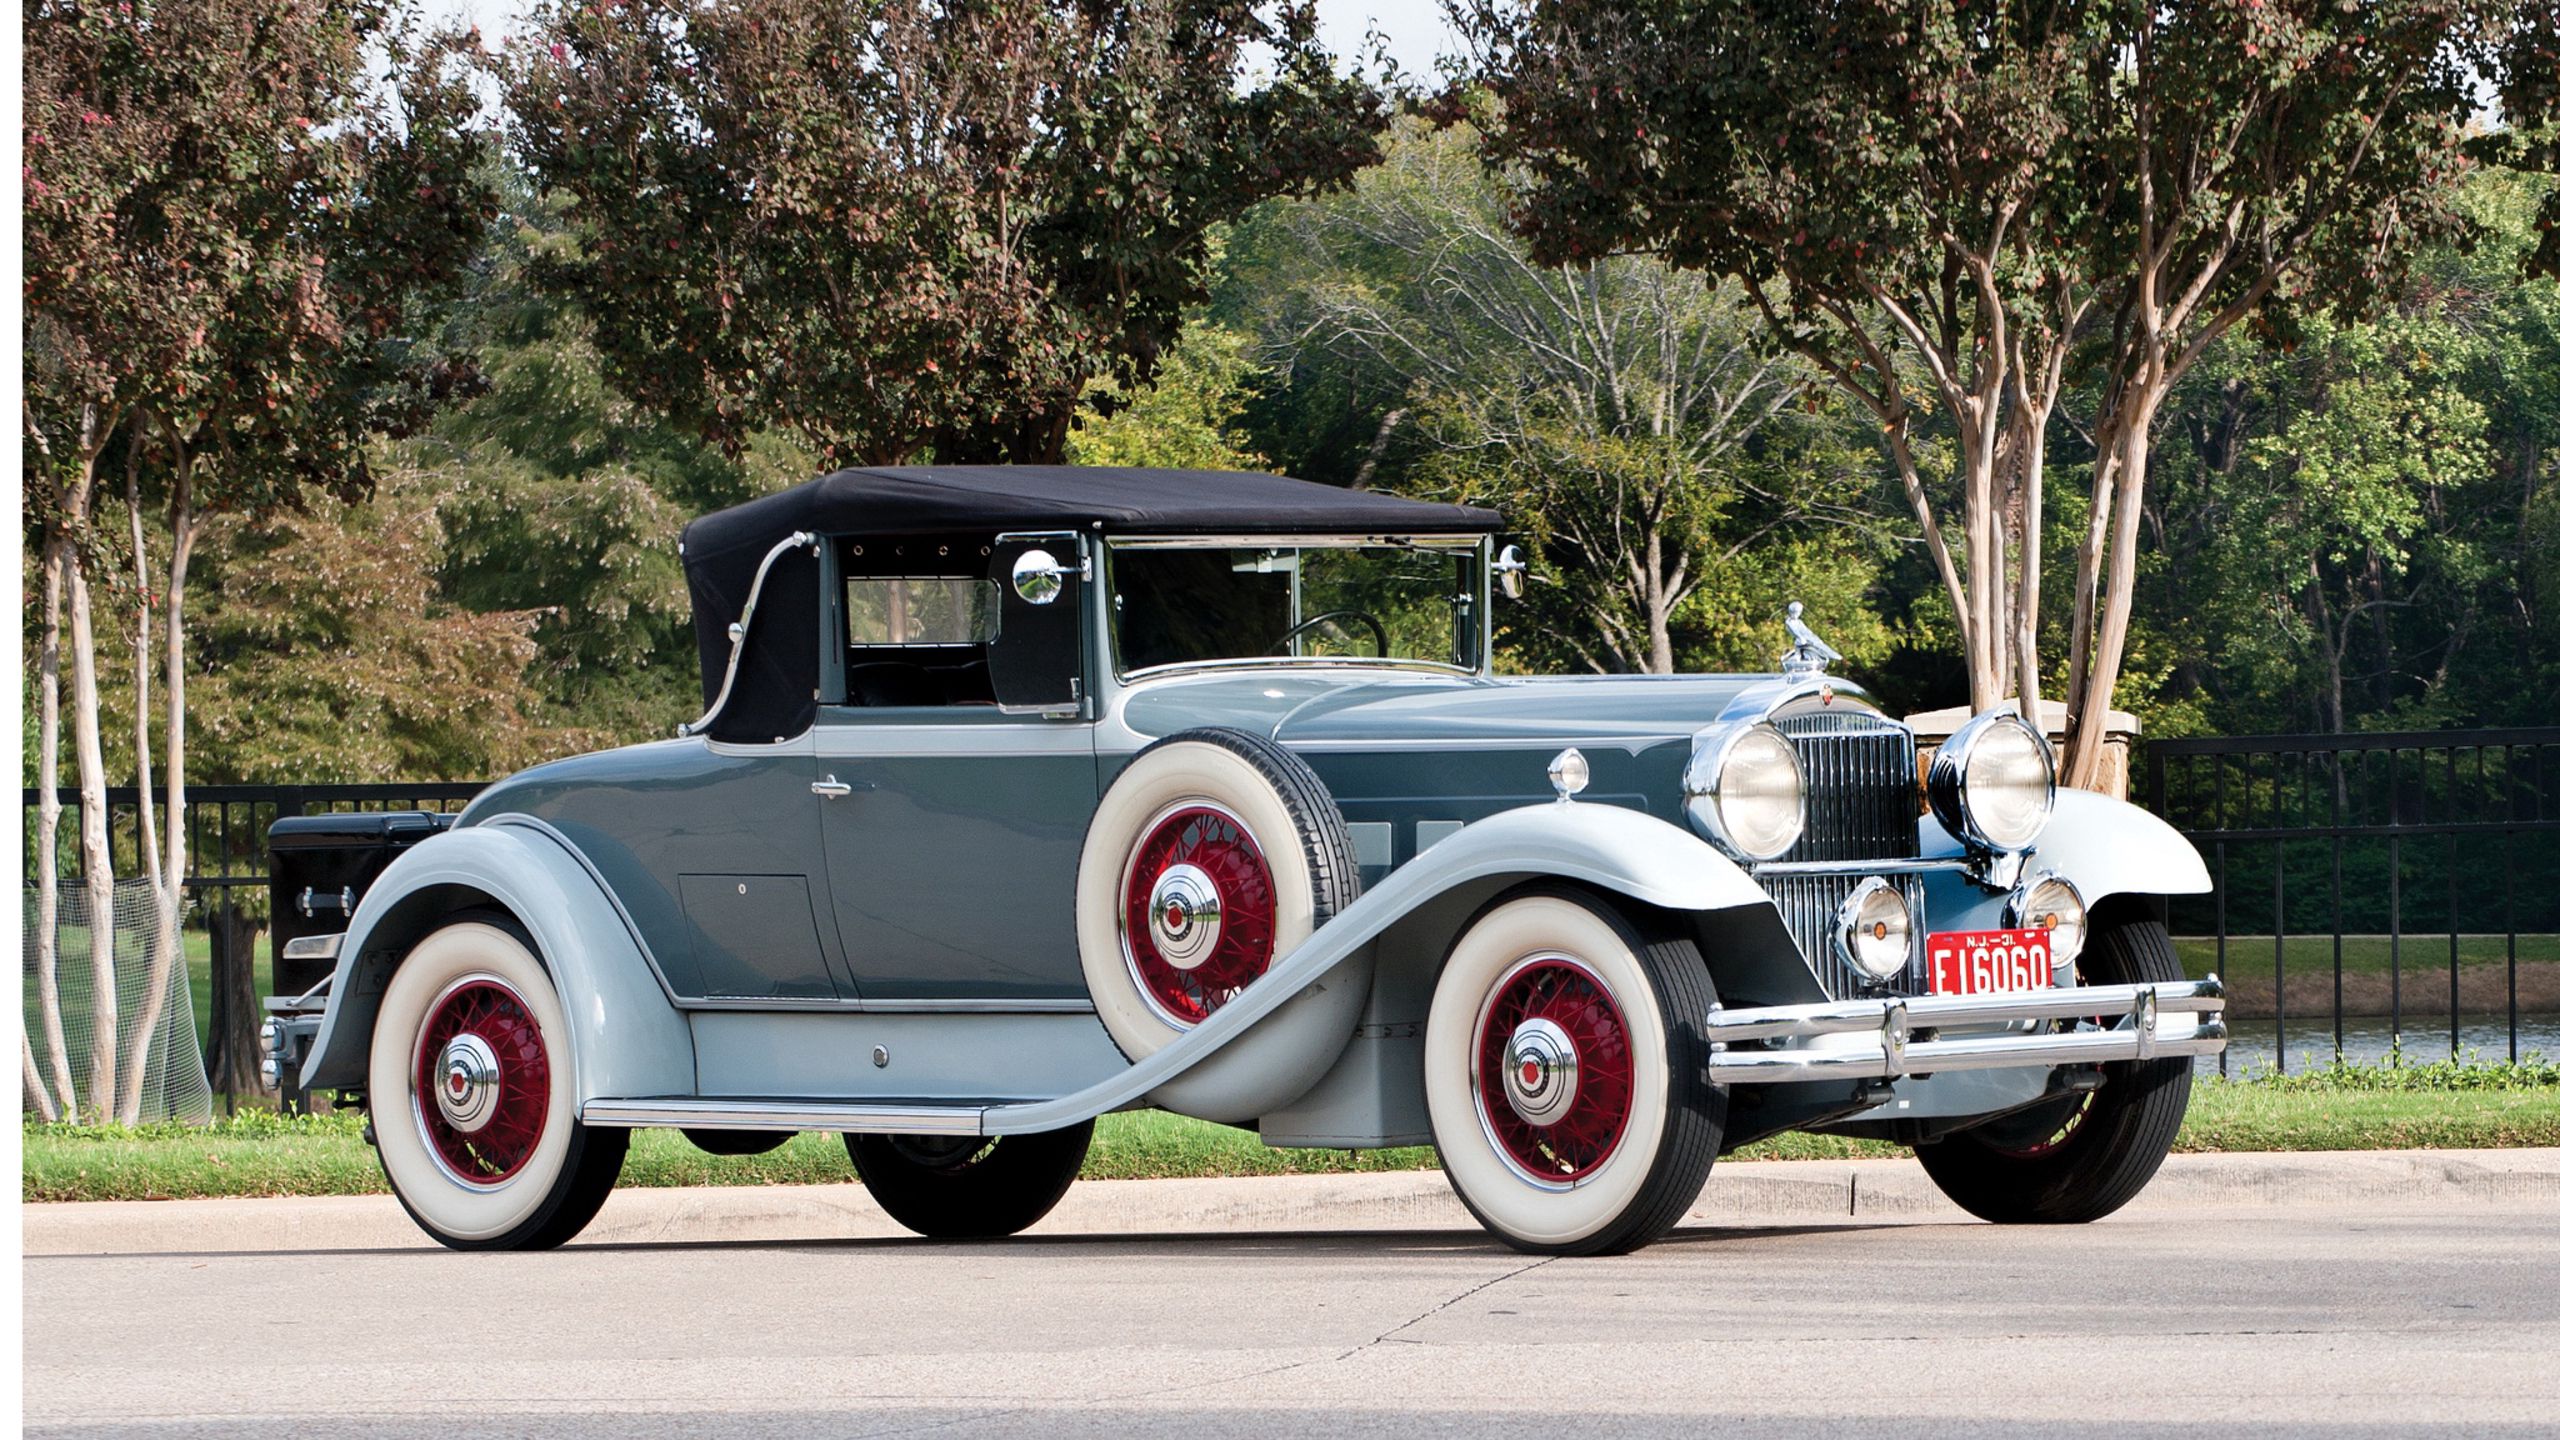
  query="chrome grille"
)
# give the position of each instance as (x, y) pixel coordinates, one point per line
(1862, 793)
(1811, 906)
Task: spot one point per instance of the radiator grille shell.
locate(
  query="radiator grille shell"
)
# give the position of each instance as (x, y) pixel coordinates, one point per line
(1862, 802)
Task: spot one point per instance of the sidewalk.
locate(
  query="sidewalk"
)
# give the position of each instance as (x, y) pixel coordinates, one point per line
(1754, 1193)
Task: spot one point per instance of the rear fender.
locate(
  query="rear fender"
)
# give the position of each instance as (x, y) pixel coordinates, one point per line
(625, 1036)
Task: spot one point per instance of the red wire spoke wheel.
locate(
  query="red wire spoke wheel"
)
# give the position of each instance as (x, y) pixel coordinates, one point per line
(1564, 1066)
(483, 1092)
(1555, 1077)
(1198, 911)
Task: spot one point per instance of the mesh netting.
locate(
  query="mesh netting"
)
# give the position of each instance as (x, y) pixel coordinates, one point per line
(173, 1079)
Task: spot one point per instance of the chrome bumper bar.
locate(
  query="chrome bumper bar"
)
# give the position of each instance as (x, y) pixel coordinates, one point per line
(2143, 1022)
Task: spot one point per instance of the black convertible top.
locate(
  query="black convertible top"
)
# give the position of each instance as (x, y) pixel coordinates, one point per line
(723, 549)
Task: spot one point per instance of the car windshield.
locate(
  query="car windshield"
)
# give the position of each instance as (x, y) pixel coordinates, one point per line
(1199, 604)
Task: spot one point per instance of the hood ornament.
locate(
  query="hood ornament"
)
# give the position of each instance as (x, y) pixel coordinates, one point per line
(1809, 654)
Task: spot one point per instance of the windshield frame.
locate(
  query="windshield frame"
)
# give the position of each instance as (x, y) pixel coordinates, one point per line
(1478, 599)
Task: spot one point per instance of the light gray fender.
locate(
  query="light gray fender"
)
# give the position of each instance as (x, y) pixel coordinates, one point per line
(2107, 847)
(1233, 1064)
(625, 1036)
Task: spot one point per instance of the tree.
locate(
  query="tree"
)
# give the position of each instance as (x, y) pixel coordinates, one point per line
(239, 214)
(1947, 207)
(903, 227)
(1618, 412)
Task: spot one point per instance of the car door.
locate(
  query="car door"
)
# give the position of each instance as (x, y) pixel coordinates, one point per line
(953, 833)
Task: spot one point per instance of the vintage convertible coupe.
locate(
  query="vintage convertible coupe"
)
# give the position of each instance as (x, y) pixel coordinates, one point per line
(1024, 795)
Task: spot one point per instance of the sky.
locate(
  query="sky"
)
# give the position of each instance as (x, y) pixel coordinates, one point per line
(1416, 31)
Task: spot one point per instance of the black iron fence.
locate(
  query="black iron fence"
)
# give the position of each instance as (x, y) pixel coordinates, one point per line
(2391, 889)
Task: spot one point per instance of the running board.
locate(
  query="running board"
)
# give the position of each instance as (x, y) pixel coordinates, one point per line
(685, 1112)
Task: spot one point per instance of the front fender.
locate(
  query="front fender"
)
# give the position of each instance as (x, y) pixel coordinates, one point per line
(1226, 1062)
(2107, 847)
(625, 1036)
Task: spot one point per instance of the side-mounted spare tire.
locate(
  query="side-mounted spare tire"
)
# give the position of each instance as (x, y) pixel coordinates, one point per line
(1214, 854)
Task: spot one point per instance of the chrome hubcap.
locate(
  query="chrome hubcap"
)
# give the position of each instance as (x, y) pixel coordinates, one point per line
(1540, 1071)
(1183, 916)
(466, 1074)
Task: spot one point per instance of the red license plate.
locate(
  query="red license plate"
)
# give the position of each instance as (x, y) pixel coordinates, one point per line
(1985, 962)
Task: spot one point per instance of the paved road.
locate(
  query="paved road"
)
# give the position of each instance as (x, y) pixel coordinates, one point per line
(2397, 1318)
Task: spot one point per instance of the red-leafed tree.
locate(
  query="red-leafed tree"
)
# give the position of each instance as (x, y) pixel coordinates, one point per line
(912, 227)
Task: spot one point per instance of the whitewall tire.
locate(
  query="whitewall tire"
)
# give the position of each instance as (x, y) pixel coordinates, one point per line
(474, 1103)
(1213, 854)
(1564, 1064)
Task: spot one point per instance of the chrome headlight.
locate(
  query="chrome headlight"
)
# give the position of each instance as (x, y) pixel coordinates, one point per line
(1745, 790)
(1992, 783)
(2052, 904)
(1874, 929)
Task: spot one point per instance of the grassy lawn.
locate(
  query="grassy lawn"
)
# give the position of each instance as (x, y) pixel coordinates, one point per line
(2253, 957)
(259, 1153)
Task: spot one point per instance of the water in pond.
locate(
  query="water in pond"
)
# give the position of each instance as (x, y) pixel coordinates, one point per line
(2309, 1042)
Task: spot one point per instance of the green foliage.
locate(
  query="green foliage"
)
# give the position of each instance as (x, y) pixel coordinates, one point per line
(1619, 415)
(1185, 419)
(896, 226)
(562, 500)
(2473, 1072)
(331, 654)
(2351, 529)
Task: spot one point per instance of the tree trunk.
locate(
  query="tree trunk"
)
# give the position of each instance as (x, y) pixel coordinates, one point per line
(141, 658)
(1657, 609)
(2084, 743)
(173, 860)
(96, 861)
(49, 827)
(2030, 673)
(231, 1053)
(31, 1081)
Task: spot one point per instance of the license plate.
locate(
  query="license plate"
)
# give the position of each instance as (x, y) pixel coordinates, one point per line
(1986, 962)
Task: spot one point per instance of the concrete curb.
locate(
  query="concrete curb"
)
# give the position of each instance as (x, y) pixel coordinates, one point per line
(1755, 1193)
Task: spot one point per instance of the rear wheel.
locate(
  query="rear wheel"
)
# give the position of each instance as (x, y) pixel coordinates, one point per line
(2082, 1157)
(1565, 1065)
(969, 1187)
(474, 1109)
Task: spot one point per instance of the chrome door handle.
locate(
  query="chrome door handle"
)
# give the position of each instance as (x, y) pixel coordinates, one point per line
(833, 788)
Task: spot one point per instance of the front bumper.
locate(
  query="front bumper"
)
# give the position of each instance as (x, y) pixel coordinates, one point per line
(1891, 1038)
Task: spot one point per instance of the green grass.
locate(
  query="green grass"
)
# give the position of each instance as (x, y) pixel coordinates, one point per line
(199, 952)
(261, 1153)
(2253, 957)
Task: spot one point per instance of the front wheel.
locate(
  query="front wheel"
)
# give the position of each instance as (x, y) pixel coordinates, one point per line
(1565, 1065)
(969, 1187)
(474, 1109)
(2083, 1157)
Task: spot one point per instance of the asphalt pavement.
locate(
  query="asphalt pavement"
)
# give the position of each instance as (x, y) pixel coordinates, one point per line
(2309, 1296)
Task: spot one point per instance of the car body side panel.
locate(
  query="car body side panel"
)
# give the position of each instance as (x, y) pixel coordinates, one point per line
(625, 1035)
(673, 825)
(952, 862)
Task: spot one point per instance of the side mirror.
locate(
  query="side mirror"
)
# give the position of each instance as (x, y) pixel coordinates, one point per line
(1511, 572)
(1038, 577)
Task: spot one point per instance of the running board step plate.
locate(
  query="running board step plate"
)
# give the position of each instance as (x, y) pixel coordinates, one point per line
(688, 1112)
